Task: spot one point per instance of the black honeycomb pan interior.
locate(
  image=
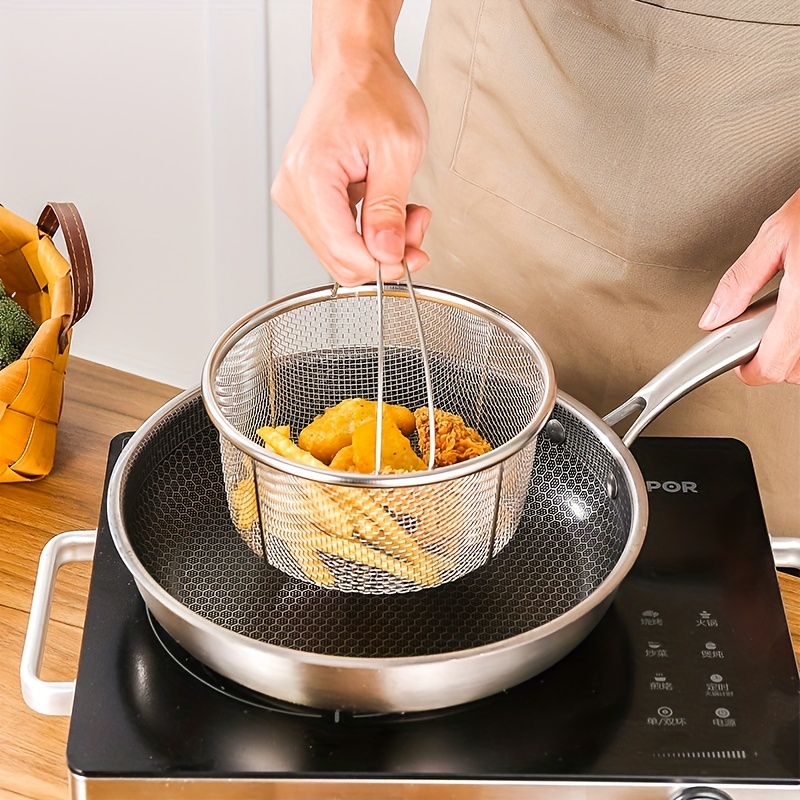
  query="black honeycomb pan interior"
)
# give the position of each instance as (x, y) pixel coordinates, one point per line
(176, 517)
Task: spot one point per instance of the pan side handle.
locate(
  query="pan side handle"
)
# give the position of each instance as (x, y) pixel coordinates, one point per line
(719, 351)
(50, 697)
(786, 551)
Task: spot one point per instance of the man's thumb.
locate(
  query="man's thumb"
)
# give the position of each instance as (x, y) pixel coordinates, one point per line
(383, 222)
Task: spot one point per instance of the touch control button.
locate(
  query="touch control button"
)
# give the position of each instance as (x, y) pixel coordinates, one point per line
(711, 650)
(655, 649)
(722, 718)
(665, 717)
(651, 618)
(705, 619)
(718, 686)
(702, 793)
(660, 683)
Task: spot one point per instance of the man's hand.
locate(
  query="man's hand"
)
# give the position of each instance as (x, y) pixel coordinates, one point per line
(775, 248)
(360, 137)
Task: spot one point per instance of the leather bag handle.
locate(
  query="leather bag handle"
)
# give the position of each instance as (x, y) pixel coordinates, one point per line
(65, 215)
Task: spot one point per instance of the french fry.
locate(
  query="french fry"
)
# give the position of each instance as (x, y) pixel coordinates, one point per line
(305, 556)
(342, 530)
(310, 562)
(325, 514)
(439, 511)
(369, 520)
(283, 446)
(360, 553)
(244, 509)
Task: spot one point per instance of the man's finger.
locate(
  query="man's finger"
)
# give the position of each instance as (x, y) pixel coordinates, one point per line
(417, 220)
(794, 375)
(760, 262)
(355, 193)
(383, 212)
(330, 229)
(779, 352)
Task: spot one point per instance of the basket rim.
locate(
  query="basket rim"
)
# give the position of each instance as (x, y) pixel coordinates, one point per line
(234, 334)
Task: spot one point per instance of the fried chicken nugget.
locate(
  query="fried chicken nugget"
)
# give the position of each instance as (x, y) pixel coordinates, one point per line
(397, 454)
(333, 430)
(343, 460)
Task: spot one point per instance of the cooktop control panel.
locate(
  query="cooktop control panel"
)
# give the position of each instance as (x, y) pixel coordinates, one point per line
(714, 689)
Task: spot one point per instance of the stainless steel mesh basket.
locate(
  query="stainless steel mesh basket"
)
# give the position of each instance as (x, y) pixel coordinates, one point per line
(288, 362)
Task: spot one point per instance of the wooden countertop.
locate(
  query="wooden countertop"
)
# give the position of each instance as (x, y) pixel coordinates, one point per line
(100, 403)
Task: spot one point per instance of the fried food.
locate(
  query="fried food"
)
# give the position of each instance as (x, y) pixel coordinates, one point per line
(360, 553)
(244, 509)
(397, 454)
(282, 444)
(343, 460)
(333, 429)
(310, 562)
(355, 514)
(455, 440)
(401, 532)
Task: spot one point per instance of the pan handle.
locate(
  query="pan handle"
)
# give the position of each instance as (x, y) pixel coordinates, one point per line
(721, 350)
(50, 697)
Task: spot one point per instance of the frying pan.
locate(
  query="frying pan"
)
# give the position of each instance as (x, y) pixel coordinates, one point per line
(582, 527)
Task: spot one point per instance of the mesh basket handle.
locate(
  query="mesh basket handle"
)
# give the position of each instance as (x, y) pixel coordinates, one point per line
(423, 348)
(425, 364)
(65, 215)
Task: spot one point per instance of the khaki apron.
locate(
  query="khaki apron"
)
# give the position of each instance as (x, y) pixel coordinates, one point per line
(595, 166)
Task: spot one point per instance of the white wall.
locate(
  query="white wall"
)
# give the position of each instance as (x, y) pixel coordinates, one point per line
(163, 121)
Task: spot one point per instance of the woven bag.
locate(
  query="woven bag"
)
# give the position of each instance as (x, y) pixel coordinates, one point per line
(56, 293)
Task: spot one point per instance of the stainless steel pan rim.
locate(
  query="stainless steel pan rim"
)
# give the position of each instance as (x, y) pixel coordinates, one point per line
(495, 456)
(613, 443)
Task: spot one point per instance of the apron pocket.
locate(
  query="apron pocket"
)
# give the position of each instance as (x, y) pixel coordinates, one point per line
(663, 137)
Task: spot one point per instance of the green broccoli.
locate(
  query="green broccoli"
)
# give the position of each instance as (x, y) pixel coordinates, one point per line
(16, 329)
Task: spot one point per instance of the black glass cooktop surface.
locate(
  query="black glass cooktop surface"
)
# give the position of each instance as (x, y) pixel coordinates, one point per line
(690, 674)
